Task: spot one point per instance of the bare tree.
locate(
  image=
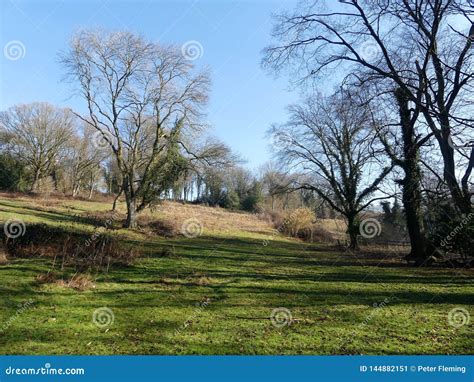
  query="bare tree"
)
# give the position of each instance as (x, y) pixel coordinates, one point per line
(330, 142)
(37, 133)
(142, 98)
(82, 161)
(411, 44)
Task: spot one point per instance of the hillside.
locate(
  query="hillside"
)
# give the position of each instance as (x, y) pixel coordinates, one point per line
(236, 287)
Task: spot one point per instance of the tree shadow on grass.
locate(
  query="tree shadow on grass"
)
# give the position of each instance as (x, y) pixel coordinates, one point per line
(53, 216)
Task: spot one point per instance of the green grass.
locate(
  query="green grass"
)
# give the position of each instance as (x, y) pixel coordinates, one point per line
(330, 295)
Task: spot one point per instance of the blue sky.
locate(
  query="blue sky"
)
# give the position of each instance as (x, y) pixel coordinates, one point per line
(245, 100)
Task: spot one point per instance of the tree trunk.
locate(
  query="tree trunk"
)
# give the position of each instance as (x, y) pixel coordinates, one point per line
(131, 221)
(460, 194)
(413, 215)
(353, 231)
(114, 205)
(460, 199)
(35, 185)
(411, 189)
(131, 201)
(75, 190)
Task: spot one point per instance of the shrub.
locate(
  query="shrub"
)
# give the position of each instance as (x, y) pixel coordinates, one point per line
(82, 251)
(164, 228)
(254, 198)
(299, 222)
(231, 200)
(13, 173)
(320, 234)
(273, 217)
(454, 233)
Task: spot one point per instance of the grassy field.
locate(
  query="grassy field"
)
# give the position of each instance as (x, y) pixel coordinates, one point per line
(240, 288)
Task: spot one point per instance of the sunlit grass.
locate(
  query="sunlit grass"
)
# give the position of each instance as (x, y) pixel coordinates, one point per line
(215, 294)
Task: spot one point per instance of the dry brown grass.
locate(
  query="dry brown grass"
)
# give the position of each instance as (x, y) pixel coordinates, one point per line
(3, 258)
(54, 198)
(212, 219)
(78, 281)
(337, 227)
(46, 278)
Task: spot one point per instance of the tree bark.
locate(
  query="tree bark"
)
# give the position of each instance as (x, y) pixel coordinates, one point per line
(114, 204)
(414, 219)
(35, 185)
(75, 190)
(131, 201)
(411, 189)
(131, 221)
(353, 231)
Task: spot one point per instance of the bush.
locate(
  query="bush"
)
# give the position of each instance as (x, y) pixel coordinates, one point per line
(299, 222)
(320, 234)
(84, 252)
(231, 200)
(163, 228)
(273, 217)
(13, 173)
(254, 198)
(453, 233)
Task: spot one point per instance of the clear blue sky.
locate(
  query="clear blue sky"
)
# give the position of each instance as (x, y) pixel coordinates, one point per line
(244, 99)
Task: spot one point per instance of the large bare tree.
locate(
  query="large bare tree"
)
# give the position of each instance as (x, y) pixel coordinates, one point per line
(145, 100)
(330, 143)
(37, 133)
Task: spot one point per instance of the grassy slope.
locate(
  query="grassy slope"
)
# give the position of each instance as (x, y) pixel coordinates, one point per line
(331, 297)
